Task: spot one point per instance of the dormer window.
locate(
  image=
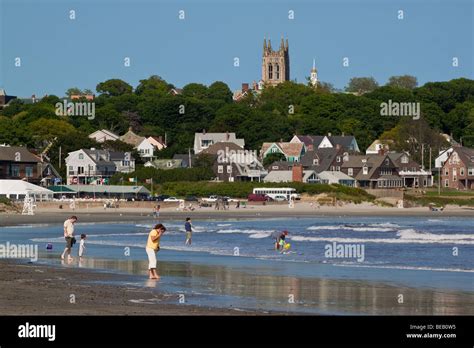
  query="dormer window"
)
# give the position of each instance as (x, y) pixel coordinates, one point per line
(405, 159)
(81, 156)
(316, 161)
(365, 170)
(338, 159)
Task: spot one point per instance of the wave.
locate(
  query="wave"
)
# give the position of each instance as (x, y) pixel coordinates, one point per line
(361, 228)
(260, 235)
(406, 267)
(228, 231)
(407, 236)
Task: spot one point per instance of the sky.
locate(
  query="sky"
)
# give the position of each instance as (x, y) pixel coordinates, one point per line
(57, 52)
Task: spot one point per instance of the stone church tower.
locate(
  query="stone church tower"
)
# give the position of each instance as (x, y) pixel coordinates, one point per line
(275, 64)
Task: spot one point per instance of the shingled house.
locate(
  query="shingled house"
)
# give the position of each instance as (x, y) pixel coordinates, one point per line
(458, 169)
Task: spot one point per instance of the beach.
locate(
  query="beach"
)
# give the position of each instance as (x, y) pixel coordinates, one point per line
(232, 269)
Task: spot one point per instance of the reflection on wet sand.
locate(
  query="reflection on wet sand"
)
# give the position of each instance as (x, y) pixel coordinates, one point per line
(293, 294)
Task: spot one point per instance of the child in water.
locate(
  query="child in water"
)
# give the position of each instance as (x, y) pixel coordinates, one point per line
(82, 245)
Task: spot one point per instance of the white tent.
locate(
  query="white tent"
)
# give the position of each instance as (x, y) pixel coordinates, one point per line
(17, 190)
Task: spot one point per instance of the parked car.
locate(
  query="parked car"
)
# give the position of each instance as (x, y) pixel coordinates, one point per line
(257, 198)
(211, 199)
(295, 196)
(162, 197)
(172, 199)
(191, 199)
(279, 198)
(230, 200)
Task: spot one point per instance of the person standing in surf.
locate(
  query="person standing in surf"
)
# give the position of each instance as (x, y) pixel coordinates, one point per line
(188, 227)
(69, 237)
(279, 237)
(152, 248)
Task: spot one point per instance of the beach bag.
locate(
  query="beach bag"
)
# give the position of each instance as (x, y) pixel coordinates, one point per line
(73, 241)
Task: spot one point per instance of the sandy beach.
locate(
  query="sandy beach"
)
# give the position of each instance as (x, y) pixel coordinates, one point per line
(140, 211)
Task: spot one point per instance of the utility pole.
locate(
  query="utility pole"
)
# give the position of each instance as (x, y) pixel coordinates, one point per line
(423, 156)
(60, 157)
(189, 157)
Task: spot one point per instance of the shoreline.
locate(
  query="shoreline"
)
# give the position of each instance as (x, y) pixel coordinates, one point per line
(36, 289)
(43, 216)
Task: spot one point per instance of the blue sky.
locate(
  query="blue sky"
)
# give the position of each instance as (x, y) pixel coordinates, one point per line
(57, 53)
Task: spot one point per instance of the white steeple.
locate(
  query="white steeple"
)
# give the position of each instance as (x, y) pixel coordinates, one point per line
(314, 75)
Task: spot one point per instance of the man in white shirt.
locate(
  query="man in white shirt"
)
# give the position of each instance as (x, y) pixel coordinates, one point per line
(69, 236)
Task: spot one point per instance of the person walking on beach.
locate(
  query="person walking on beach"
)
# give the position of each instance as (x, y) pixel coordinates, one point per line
(82, 245)
(188, 227)
(152, 247)
(69, 236)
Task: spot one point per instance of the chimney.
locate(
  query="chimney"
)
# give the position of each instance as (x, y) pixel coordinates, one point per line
(381, 151)
(227, 136)
(297, 173)
(338, 146)
(310, 147)
(203, 131)
(245, 87)
(130, 129)
(329, 134)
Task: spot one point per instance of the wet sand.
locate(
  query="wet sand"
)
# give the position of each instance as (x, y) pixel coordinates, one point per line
(32, 289)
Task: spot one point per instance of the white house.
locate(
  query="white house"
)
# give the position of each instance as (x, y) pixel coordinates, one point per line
(313, 142)
(103, 135)
(93, 166)
(442, 157)
(203, 140)
(149, 146)
(328, 177)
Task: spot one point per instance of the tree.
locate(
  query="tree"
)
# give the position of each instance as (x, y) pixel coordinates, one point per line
(204, 160)
(219, 90)
(73, 91)
(45, 129)
(114, 87)
(404, 81)
(195, 90)
(273, 157)
(361, 85)
(153, 86)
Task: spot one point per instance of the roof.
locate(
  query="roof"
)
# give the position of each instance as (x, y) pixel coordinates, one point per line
(214, 149)
(9, 153)
(328, 175)
(286, 175)
(156, 140)
(315, 140)
(114, 156)
(326, 157)
(289, 149)
(466, 154)
(185, 159)
(131, 138)
(372, 161)
(61, 189)
(216, 138)
(20, 187)
(105, 131)
(107, 189)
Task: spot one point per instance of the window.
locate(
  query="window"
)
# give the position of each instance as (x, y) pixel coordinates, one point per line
(338, 169)
(80, 170)
(446, 172)
(277, 71)
(316, 161)
(270, 71)
(470, 171)
(274, 167)
(29, 172)
(455, 172)
(404, 159)
(387, 161)
(350, 171)
(365, 170)
(338, 159)
(446, 183)
(461, 171)
(169, 164)
(229, 169)
(220, 169)
(81, 156)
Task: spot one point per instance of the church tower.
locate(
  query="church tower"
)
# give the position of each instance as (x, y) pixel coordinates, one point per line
(275, 64)
(313, 79)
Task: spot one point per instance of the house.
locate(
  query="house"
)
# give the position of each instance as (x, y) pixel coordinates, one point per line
(103, 135)
(311, 142)
(412, 174)
(378, 146)
(165, 164)
(296, 174)
(150, 146)
(203, 140)
(93, 166)
(291, 151)
(372, 171)
(458, 169)
(233, 163)
(4, 98)
(16, 162)
(442, 157)
(176, 91)
(131, 138)
(48, 174)
(328, 177)
(187, 159)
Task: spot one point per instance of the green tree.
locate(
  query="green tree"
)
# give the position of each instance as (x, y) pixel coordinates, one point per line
(404, 81)
(114, 87)
(361, 85)
(73, 91)
(195, 90)
(273, 157)
(153, 86)
(219, 90)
